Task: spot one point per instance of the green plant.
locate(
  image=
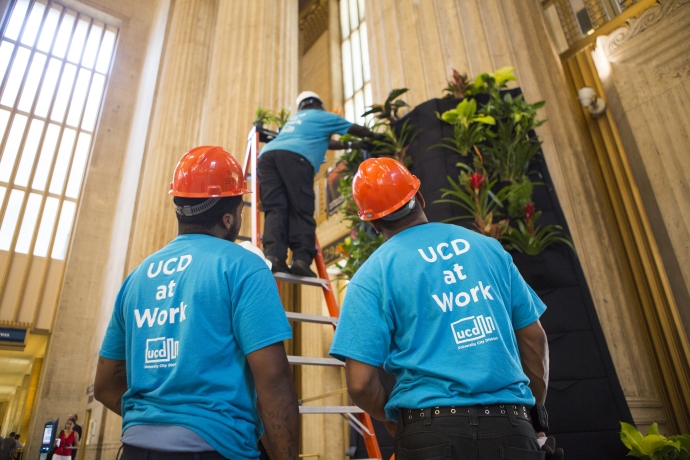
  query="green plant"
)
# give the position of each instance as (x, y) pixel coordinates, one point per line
(357, 248)
(457, 85)
(280, 118)
(654, 446)
(472, 192)
(531, 239)
(395, 142)
(388, 111)
(263, 116)
(469, 128)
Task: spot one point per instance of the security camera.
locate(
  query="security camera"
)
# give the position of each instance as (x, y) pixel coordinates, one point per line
(590, 101)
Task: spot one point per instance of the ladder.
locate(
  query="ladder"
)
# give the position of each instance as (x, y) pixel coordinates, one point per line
(356, 417)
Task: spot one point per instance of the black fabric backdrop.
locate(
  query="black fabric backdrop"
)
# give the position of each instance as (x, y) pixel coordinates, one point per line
(585, 400)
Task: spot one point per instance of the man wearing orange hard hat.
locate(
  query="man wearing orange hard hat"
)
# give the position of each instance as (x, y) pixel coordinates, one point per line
(195, 342)
(446, 311)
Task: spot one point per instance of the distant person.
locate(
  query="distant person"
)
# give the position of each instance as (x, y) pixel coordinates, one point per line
(16, 439)
(66, 442)
(77, 428)
(286, 170)
(8, 447)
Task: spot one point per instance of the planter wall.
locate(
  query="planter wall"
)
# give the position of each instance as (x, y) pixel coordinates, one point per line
(585, 400)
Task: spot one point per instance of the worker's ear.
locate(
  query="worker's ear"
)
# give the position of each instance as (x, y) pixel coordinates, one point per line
(376, 227)
(228, 221)
(420, 199)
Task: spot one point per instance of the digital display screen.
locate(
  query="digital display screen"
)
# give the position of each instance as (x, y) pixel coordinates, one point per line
(47, 434)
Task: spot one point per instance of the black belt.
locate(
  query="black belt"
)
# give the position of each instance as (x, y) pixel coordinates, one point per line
(493, 410)
(137, 453)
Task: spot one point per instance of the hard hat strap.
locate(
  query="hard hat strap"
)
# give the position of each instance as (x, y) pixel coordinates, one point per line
(188, 211)
(402, 212)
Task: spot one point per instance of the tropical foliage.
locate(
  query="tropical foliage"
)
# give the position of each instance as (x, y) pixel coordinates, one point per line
(654, 446)
(499, 137)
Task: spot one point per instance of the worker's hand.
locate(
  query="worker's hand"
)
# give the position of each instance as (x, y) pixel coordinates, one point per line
(392, 427)
(549, 446)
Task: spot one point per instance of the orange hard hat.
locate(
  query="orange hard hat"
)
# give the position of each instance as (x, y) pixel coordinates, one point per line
(381, 187)
(207, 172)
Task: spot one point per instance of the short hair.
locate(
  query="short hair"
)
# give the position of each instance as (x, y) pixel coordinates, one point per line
(12, 434)
(212, 216)
(394, 225)
(16, 436)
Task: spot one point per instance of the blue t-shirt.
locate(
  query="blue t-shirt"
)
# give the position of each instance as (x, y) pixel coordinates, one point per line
(307, 133)
(437, 306)
(184, 321)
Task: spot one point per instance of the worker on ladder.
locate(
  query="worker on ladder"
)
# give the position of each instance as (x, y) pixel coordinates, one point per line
(286, 169)
(195, 342)
(446, 311)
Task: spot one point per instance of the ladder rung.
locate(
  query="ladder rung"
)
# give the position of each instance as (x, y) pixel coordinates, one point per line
(330, 410)
(309, 361)
(306, 280)
(247, 204)
(304, 318)
(243, 238)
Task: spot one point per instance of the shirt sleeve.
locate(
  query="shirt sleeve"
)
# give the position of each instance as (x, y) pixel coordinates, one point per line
(526, 306)
(115, 340)
(337, 124)
(364, 328)
(259, 319)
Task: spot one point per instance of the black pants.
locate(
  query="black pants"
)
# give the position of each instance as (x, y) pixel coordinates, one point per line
(137, 453)
(286, 182)
(466, 437)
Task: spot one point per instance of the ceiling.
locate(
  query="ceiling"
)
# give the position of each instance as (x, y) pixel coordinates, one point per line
(15, 364)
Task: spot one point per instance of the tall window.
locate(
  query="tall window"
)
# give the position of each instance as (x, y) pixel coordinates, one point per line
(54, 63)
(355, 55)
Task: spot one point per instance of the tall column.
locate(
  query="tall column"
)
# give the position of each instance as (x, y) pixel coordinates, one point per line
(477, 36)
(254, 63)
(176, 123)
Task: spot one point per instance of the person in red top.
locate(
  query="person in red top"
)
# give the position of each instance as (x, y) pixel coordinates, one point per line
(68, 440)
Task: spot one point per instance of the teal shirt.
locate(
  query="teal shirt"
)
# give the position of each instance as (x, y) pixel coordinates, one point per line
(184, 321)
(437, 305)
(307, 133)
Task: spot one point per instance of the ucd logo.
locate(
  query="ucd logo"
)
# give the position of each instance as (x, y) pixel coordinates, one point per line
(472, 328)
(161, 350)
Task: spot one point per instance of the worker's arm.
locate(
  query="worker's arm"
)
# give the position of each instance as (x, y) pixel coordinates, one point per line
(111, 383)
(534, 353)
(277, 400)
(367, 391)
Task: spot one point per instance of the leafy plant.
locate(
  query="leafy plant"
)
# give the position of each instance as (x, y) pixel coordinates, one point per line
(395, 143)
(280, 118)
(654, 446)
(469, 128)
(263, 116)
(357, 248)
(473, 193)
(388, 111)
(531, 239)
(457, 85)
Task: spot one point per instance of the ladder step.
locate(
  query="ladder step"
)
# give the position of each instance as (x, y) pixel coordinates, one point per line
(309, 361)
(306, 280)
(330, 410)
(304, 318)
(247, 204)
(243, 238)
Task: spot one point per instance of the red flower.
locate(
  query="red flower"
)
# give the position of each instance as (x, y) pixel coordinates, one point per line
(529, 211)
(476, 180)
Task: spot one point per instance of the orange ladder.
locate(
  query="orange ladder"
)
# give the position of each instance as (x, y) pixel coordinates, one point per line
(355, 416)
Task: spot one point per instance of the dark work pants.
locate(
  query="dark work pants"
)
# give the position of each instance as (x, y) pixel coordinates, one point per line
(469, 437)
(286, 184)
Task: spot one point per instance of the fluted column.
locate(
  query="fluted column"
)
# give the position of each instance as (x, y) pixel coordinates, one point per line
(417, 44)
(176, 122)
(254, 63)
